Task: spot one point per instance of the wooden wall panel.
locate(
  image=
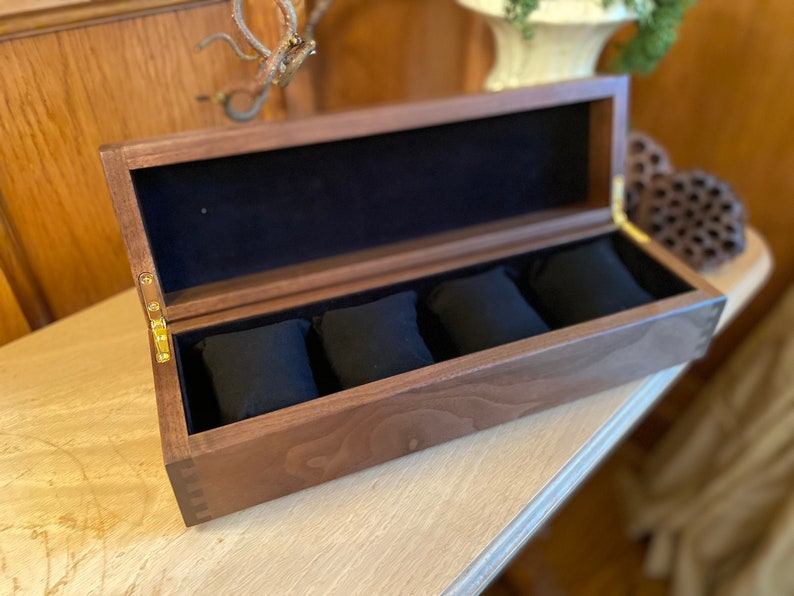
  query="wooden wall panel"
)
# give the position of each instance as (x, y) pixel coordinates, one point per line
(29, 17)
(13, 323)
(22, 292)
(723, 101)
(63, 95)
(390, 50)
(720, 101)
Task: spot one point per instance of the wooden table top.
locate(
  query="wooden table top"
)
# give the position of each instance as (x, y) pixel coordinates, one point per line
(85, 505)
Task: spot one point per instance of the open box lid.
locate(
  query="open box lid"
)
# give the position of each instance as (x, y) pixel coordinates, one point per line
(226, 217)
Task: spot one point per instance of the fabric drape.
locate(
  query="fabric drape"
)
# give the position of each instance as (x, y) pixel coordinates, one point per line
(716, 497)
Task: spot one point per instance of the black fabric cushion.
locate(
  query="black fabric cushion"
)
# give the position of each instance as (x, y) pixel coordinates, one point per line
(373, 341)
(484, 311)
(583, 283)
(260, 370)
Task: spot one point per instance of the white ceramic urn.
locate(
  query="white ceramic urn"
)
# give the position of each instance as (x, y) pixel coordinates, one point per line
(568, 38)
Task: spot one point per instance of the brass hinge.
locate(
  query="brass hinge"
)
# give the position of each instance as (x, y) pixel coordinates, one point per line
(157, 321)
(619, 211)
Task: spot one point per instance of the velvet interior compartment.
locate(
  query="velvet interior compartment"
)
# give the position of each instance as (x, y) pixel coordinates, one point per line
(353, 340)
(259, 370)
(212, 220)
(484, 311)
(653, 281)
(582, 283)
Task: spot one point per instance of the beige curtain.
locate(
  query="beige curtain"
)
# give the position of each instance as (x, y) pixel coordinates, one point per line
(716, 498)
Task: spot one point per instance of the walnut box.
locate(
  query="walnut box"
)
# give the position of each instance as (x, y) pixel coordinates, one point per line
(241, 228)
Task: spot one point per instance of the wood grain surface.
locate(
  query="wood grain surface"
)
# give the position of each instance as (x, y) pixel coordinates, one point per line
(67, 93)
(86, 505)
(722, 101)
(13, 272)
(19, 279)
(390, 50)
(13, 323)
(31, 17)
(721, 106)
(257, 460)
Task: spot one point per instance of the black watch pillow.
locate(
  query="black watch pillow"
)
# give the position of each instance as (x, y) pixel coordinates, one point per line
(583, 283)
(373, 341)
(259, 370)
(484, 311)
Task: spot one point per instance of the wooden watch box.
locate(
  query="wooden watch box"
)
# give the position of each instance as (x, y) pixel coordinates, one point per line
(244, 227)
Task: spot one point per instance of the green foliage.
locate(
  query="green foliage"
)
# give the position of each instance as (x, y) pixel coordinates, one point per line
(517, 14)
(654, 38)
(656, 30)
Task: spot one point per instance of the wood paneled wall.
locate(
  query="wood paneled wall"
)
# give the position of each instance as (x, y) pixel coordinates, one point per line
(723, 101)
(66, 93)
(391, 50)
(24, 17)
(22, 303)
(719, 101)
(13, 323)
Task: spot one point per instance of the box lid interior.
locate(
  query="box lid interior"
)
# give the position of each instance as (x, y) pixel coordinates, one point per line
(238, 214)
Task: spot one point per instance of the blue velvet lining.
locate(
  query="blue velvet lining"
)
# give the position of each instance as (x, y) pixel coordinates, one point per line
(217, 219)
